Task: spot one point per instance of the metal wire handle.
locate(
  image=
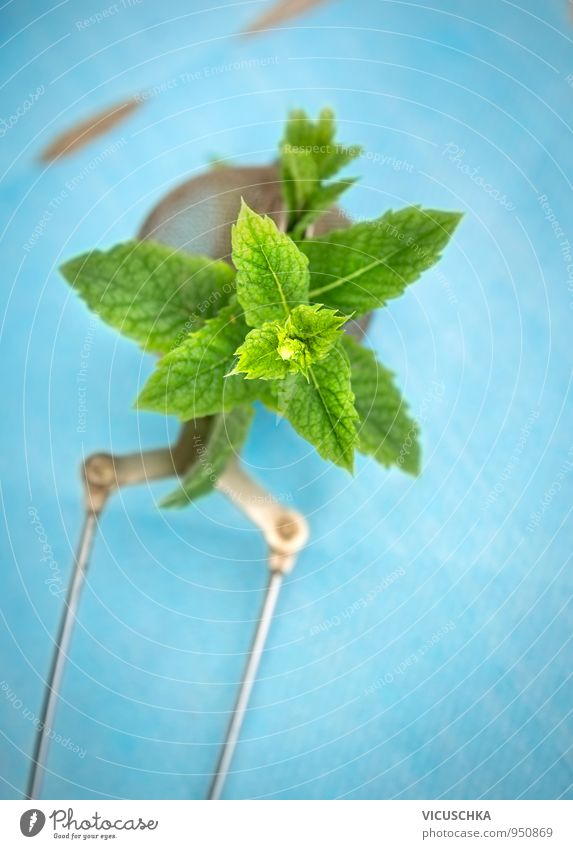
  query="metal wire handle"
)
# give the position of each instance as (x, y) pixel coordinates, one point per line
(284, 530)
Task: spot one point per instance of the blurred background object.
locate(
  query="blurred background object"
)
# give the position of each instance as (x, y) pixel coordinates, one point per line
(277, 13)
(84, 132)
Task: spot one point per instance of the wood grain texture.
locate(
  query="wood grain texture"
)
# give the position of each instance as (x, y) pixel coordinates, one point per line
(81, 134)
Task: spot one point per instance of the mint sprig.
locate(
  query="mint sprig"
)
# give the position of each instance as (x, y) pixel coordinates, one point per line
(271, 327)
(277, 348)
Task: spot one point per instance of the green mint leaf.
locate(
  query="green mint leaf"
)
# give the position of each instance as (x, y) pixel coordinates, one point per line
(259, 355)
(316, 326)
(300, 178)
(309, 155)
(317, 141)
(149, 292)
(277, 349)
(360, 268)
(193, 380)
(386, 431)
(321, 409)
(272, 273)
(225, 438)
(322, 199)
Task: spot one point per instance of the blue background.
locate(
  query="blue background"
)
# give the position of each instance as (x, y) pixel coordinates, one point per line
(454, 681)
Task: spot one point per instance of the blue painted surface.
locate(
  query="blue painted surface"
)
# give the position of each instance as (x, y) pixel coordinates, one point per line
(451, 681)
